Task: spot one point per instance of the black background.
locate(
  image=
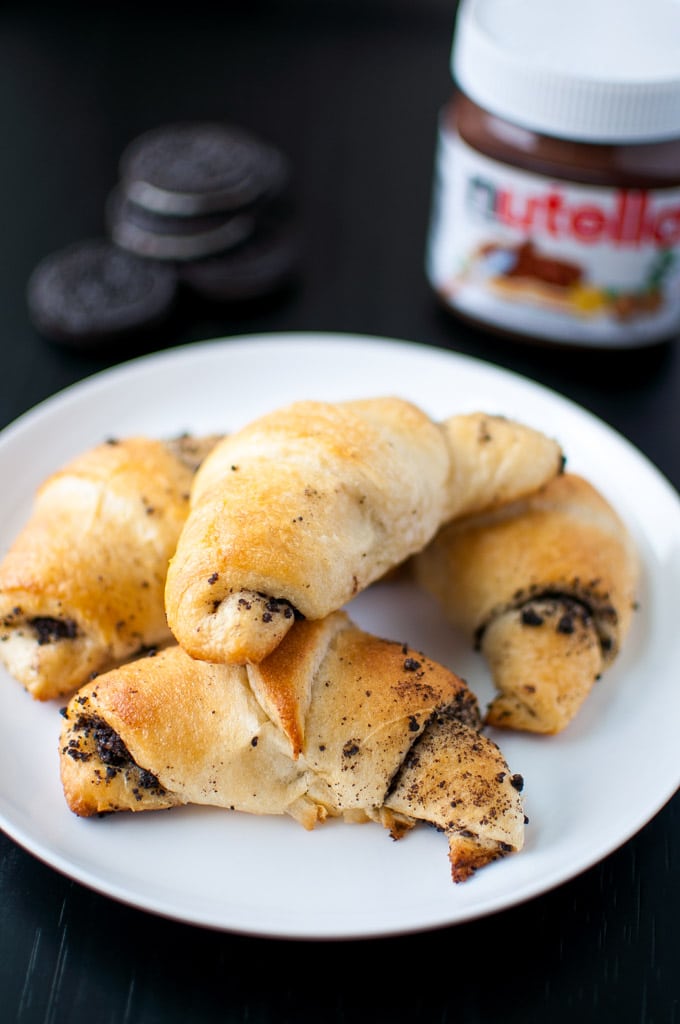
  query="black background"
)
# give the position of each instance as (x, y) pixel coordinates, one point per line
(350, 91)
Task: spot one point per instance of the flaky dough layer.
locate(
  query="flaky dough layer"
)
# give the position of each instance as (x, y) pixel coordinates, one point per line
(341, 723)
(547, 587)
(304, 508)
(82, 586)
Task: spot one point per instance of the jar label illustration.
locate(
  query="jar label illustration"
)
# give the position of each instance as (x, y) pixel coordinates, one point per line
(548, 257)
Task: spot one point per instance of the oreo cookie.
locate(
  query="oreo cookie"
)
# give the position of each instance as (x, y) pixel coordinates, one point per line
(93, 292)
(168, 237)
(261, 266)
(202, 205)
(189, 169)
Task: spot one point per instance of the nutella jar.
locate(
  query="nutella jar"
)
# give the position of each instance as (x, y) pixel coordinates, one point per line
(556, 209)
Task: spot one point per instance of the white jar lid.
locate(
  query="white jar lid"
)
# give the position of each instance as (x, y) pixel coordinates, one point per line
(590, 70)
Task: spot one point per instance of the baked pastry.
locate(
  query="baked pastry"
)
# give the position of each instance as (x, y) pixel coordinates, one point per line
(493, 460)
(336, 723)
(81, 587)
(305, 507)
(302, 509)
(546, 586)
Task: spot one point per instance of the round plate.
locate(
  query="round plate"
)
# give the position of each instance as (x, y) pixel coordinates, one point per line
(587, 790)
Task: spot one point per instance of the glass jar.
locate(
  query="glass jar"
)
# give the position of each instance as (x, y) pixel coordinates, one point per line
(556, 208)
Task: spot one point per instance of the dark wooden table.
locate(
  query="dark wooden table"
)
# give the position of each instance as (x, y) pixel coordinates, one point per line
(350, 89)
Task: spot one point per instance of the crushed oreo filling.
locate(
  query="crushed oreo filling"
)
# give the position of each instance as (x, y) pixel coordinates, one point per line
(575, 611)
(113, 753)
(48, 629)
(277, 606)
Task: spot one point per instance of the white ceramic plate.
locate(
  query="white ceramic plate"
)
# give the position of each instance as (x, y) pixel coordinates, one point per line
(587, 790)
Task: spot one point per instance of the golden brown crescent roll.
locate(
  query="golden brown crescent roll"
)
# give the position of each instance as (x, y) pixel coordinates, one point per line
(305, 507)
(82, 586)
(340, 724)
(547, 587)
(298, 512)
(493, 460)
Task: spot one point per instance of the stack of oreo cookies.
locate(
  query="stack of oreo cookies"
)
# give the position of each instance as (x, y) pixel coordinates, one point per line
(211, 198)
(199, 207)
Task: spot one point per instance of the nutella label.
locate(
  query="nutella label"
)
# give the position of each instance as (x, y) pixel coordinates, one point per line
(551, 259)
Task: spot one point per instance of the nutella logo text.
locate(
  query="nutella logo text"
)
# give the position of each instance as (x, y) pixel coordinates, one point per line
(626, 217)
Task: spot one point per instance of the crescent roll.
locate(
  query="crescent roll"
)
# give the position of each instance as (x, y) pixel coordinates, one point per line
(547, 587)
(339, 724)
(82, 585)
(296, 513)
(493, 460)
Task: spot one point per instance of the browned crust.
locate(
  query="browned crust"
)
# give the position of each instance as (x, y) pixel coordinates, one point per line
(386, 735)
(561, 559)
(90, 563)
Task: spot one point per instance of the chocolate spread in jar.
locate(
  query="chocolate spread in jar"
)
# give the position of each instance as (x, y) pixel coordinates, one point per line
(556, 214)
